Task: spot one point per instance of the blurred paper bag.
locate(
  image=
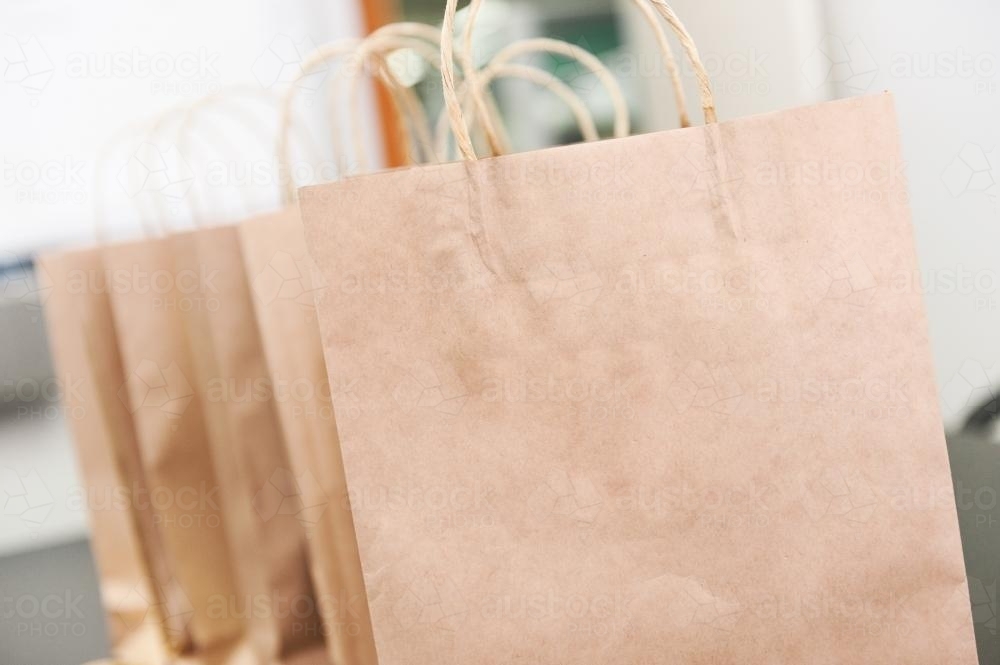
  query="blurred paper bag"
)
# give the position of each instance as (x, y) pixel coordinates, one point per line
(146, 301)
(142, 603)
(284, 284)
(260, 496)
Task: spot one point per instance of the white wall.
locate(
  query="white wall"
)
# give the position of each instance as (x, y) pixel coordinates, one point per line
(74, 74)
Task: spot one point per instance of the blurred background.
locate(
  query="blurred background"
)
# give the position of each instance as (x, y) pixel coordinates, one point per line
(84, 86)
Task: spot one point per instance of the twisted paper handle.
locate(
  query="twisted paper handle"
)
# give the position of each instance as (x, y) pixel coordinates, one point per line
(501, 67)
(387, 38)
(584, 57)
(424, 40)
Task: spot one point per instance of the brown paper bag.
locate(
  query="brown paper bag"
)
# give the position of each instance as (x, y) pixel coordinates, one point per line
(215, 436)
(147, 298)
(260, 498)
(645, 400)
(137, 589)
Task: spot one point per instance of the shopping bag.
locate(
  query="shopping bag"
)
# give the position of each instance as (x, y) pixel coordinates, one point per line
(259, 495)
(252, 596)
(148, 296)
(284, 283)
(142, 605)
(207, 571)
(645, 400)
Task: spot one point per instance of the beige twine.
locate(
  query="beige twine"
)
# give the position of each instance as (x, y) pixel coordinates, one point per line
(499, 67)
(155, 224)
(453, 104)
(424, 41)
(687, 43)
(466, 59)
(669, 60)
(585, 58)
(584, 119)
(227, 147)
(387, 38)
(322, 55)
(379, 47)
(648, 13)
(149, 229)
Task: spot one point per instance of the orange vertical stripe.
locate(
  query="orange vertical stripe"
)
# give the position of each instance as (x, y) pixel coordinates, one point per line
(377, 13)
